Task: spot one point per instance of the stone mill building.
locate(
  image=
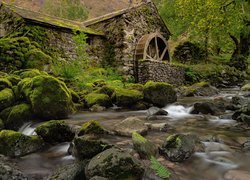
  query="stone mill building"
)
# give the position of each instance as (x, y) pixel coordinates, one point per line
(133, 39)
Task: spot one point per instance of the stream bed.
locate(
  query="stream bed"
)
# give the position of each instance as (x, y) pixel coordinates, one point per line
(221, 136)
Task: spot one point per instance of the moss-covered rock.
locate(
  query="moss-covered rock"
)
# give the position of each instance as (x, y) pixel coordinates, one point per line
(14, 79)
(75, 97)
(114, 164)
(5, 83)
(132, 86)
(200, 89)
(87, 146)
(144, 147)
(29, 73)
(127, 98)
(15, 144)
(91, 127)
(159, 93)
(105, 90)
(55, 131)
(15, 116)
(246, 87)
(7, 98)
(35, 58)
(178, 147)
(100, 99)
(49, 97)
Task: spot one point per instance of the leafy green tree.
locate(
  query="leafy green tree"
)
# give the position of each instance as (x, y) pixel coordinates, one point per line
(212, 22)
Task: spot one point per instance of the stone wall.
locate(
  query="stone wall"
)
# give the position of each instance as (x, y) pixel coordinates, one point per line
(160, 72)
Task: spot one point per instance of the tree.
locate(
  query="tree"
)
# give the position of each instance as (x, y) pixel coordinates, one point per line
(212, 22)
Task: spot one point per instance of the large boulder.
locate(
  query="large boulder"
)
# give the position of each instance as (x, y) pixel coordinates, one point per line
(144, 147)
(159, 93)
(74, 171)
(14, 117)
(55, 131)
(9, 171)
(87, 146)
(98, 99)
(127, 97)
(48, 96)
(114, 164)
(130, 125)
(178, 147)
(91, 127)
(208, 108)
(200, 89)
(15, 144)
(7, 98)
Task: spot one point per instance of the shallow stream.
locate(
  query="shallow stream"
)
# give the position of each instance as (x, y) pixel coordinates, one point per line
(221, 136)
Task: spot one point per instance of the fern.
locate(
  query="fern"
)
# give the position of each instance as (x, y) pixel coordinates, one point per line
(160, 170)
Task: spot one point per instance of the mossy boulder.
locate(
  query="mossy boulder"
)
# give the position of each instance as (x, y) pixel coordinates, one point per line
(105, 90)
(29, 73)
(15, 144)
(144, 147)
(114, 164)
(35, 58)
(132, 86)
(5, 83)
(55, 131)
(75, 97)
(7, 98)
(200, 89)
(100, 99)
(91, 127)
(87, 146)
(246, 87)
(178, 147)
(48, 96)
(127, 98)
(159, 93)
(14, 117)
(14, 79)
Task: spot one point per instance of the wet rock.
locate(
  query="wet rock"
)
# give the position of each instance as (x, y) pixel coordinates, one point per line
(15, 144)
(49, 97)
(91, 127)
(87, 146)
(178, 147)
(200, 89)
(98, 178)
(55, 131)
(72, 171)
(14, 117)
(208, 108)
(237, 175)
(159, 93)
(246, 87)
(130, 125)
(114, 164)
(97, 108)
(246, 146)
(243, 114)
(127, 97)
(9, 171)
(155, 111)
(144, 147)
(163, 127)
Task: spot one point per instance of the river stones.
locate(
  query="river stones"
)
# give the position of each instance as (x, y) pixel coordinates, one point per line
(237, 175)
(130, 125)
(178, 147)
(208, 108)
(55, 131)
(9, 171)
(243, 114)
(144, 147)
(159, 94)
(87, 146)
(114, 164)
(15, 144)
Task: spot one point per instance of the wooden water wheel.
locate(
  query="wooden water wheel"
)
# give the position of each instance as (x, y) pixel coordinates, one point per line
(152, 47)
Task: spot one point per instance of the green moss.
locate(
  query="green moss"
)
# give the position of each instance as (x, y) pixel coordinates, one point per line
(106, 90)
(136, 137)
(91, 127)
(246, 87)
(126, 97)
(75, 97)
(14, 79)
(55, 131)
(138, 87)
(5, 83)
(95, 98)
(49, 97)
(7, 98)
(29, 73)
(16, 144)
(15, 116)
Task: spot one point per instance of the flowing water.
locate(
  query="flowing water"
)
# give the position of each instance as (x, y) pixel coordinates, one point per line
(221, 137)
